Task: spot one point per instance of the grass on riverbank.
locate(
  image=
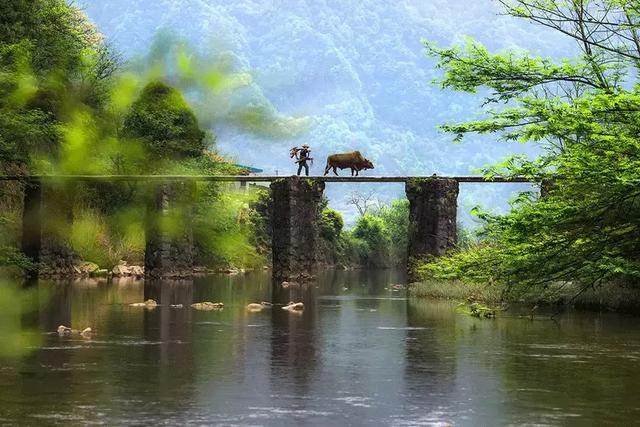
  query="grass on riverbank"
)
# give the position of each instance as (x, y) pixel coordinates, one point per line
(612, 297)
(455, 290)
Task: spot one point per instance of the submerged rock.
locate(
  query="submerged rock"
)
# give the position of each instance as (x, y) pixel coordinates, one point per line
(207, 306)
(255, 307)
(64, 330)
(147, 304)
(294, 306)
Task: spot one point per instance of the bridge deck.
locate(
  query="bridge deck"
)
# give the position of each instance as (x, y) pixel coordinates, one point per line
(258, 178)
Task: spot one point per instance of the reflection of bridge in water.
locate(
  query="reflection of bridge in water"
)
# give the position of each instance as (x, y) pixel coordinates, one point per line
(296, 200)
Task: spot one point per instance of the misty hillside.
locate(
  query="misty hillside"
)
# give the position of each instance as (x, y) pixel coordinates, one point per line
(355, 68)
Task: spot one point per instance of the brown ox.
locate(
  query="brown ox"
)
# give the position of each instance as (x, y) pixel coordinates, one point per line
(353, 160)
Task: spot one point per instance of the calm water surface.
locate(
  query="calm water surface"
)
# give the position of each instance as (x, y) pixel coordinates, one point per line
(359, 354)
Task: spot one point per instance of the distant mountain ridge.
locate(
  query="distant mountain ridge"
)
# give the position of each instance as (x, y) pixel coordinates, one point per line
(355, 67)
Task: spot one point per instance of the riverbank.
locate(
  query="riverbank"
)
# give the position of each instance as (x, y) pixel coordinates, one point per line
(618, 297)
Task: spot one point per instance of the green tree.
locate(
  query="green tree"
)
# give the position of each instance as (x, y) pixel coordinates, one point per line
(585, 114)
(52, 59)
(165, 124)
(396, 220)
(372, 230)
(331, 224)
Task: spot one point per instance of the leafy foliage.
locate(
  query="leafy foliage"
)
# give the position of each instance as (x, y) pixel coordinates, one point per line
(373, 231)
(585, 113)
(68, 107)
(331, 224)
(396, 219)
(164, 122)
(51, 57)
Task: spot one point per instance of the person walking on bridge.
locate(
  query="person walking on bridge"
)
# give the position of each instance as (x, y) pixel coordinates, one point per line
(302, 155)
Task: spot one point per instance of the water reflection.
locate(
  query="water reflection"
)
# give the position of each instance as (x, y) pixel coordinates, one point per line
(359, 353)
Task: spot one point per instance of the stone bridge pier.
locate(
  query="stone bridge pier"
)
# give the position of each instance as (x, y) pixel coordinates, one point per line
(169, 250)
(433, 207)
(432, 223)
(296, 228)
(47, 220)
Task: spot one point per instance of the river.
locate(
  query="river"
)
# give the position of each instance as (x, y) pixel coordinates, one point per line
(361, 353)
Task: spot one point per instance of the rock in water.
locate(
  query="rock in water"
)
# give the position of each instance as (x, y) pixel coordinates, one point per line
(207, 306)
(86, 268)
(64, 330)
(294, 306)
(255, 307)
(148, 304)
(124, 270)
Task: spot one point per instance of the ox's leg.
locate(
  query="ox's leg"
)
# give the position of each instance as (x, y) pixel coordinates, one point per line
(335, 170)
(357, 172)
(327, 169)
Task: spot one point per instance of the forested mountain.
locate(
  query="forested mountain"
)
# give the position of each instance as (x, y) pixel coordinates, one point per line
(355, 69)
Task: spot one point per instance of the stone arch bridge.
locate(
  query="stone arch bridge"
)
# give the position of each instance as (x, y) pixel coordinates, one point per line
(296, 200)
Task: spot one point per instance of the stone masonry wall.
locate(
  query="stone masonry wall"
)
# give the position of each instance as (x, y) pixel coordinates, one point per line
(296, 233)
(169, 251)
(47, 223)
(433, 204)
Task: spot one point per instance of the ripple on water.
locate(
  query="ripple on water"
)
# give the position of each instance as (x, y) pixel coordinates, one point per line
(269, 412)
(58, 417)
(437, 418)
(212, 323)
(60, 347)
(359, 298)
(401, 328)
(357, 401)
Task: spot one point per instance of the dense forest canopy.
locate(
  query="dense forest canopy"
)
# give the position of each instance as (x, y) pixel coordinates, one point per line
(585, 114)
